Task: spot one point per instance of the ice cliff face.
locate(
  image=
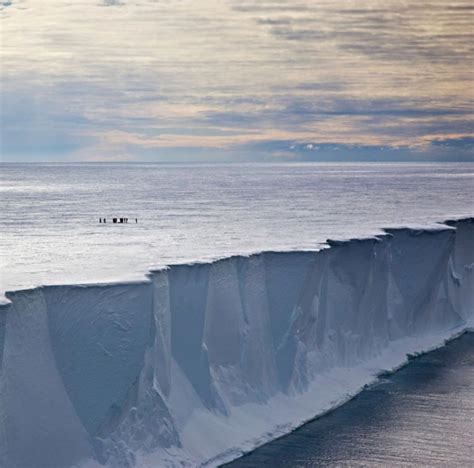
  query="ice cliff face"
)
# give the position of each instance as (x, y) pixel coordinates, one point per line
(206, 360)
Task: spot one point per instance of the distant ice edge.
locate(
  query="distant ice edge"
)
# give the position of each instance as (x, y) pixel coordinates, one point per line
(204, 362)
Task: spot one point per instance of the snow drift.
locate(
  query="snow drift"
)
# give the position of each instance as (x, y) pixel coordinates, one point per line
(205, 361)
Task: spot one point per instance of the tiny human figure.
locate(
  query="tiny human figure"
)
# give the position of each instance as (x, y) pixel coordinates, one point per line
(100, 220)
(136, 220)
(105, 220)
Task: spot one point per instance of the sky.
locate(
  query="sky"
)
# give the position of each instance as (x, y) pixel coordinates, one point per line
(236, 80)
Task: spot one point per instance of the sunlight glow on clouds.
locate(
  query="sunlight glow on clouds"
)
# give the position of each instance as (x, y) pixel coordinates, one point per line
(229, 79)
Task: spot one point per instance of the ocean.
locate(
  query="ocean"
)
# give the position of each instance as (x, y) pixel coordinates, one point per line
(50, 212)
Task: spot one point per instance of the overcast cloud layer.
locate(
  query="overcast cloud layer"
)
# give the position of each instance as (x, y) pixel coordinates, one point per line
(174, 80)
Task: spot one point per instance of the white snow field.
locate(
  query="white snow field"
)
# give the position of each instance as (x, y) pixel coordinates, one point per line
(50, 230)
(201, 362)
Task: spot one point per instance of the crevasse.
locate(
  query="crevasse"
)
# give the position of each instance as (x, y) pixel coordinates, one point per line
(205, 361)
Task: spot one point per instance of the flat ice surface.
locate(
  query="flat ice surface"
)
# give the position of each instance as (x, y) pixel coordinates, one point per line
(50, 231)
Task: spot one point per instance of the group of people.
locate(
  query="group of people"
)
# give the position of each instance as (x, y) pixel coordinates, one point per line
(117, 220)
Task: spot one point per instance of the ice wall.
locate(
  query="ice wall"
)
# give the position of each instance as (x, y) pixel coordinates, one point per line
(205, 361)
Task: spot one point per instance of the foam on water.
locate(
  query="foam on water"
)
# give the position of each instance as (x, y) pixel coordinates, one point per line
(422, 415)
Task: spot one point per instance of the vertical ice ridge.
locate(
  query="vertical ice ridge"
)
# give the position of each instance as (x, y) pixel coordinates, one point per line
(162, 339)
(463, 267)
(434, 292)
(285, 276)
(3, 320)
(98, 337)
(188, 297)
(257, 355)
(39, 423)
(342, 312)
(143, 422)
(417, 264)
(349, 270)
(224, 330)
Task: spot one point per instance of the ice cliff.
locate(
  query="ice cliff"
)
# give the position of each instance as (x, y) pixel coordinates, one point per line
(205, 361)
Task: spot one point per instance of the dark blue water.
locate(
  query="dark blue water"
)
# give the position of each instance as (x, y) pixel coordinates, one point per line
(423, 415)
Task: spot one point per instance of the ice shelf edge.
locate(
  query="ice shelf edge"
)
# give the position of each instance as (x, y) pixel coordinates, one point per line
(203, 362)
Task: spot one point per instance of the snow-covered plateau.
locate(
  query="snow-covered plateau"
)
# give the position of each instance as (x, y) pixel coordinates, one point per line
(205, 361)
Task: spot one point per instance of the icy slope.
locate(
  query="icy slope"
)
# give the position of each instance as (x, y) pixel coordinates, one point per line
(204, 361)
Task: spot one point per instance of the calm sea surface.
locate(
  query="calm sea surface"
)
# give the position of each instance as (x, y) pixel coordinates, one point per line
(423, 415)
(50, 230)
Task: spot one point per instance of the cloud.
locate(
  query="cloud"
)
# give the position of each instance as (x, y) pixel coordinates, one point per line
(231, 77)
